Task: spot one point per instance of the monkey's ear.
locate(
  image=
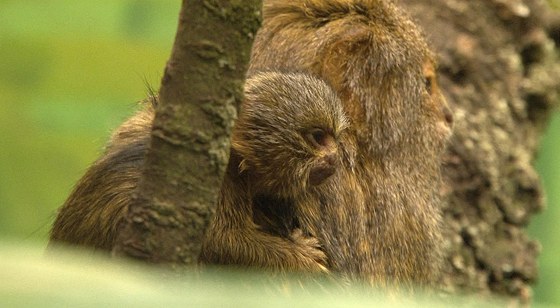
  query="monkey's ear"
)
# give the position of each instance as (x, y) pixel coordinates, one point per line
(341, 53)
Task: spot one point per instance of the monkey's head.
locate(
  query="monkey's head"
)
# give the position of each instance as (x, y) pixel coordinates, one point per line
(377, 61)
(287, 134)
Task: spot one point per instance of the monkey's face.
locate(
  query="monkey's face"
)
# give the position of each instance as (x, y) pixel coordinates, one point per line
(287, 133)
(326, 158)
(436, 102)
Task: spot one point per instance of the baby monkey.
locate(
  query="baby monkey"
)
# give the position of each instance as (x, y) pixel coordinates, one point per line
(284, 143)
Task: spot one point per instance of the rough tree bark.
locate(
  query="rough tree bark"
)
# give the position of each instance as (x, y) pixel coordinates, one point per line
(499, 72)
(189, 150)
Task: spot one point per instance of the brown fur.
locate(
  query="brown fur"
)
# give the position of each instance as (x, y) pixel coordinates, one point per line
(378, 218)
(91, 214)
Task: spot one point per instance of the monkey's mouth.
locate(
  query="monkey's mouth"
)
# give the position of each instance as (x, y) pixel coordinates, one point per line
(323, 168)
(276, 216)
(319, 174)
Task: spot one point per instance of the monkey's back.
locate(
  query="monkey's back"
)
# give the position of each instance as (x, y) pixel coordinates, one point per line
(91, 215)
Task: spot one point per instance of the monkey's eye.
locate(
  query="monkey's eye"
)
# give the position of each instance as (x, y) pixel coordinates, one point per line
(428, 82)
(318, 138)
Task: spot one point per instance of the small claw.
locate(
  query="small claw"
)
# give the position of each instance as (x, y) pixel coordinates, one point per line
(323, 268)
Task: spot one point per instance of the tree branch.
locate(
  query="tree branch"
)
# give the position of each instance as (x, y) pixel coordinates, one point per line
(199, 94)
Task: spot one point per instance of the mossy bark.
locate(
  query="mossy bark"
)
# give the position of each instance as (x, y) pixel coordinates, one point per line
(199, 94)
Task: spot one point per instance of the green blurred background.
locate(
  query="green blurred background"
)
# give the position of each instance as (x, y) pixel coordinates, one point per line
(70, 71)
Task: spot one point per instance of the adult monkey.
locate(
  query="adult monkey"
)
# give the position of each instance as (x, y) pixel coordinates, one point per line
(378, 219)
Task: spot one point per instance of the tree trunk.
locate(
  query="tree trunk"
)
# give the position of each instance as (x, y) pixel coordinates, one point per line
(199, 94)
(499, 72)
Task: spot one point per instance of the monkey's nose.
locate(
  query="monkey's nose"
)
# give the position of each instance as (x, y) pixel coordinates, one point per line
(331, 159)
(448, 115)
(324, 168)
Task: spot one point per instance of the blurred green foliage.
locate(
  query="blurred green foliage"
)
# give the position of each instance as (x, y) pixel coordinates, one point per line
(70, 71)
(78, 279)
(545, 225)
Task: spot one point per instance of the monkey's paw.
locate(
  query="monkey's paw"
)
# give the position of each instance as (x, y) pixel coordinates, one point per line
(310, 251)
